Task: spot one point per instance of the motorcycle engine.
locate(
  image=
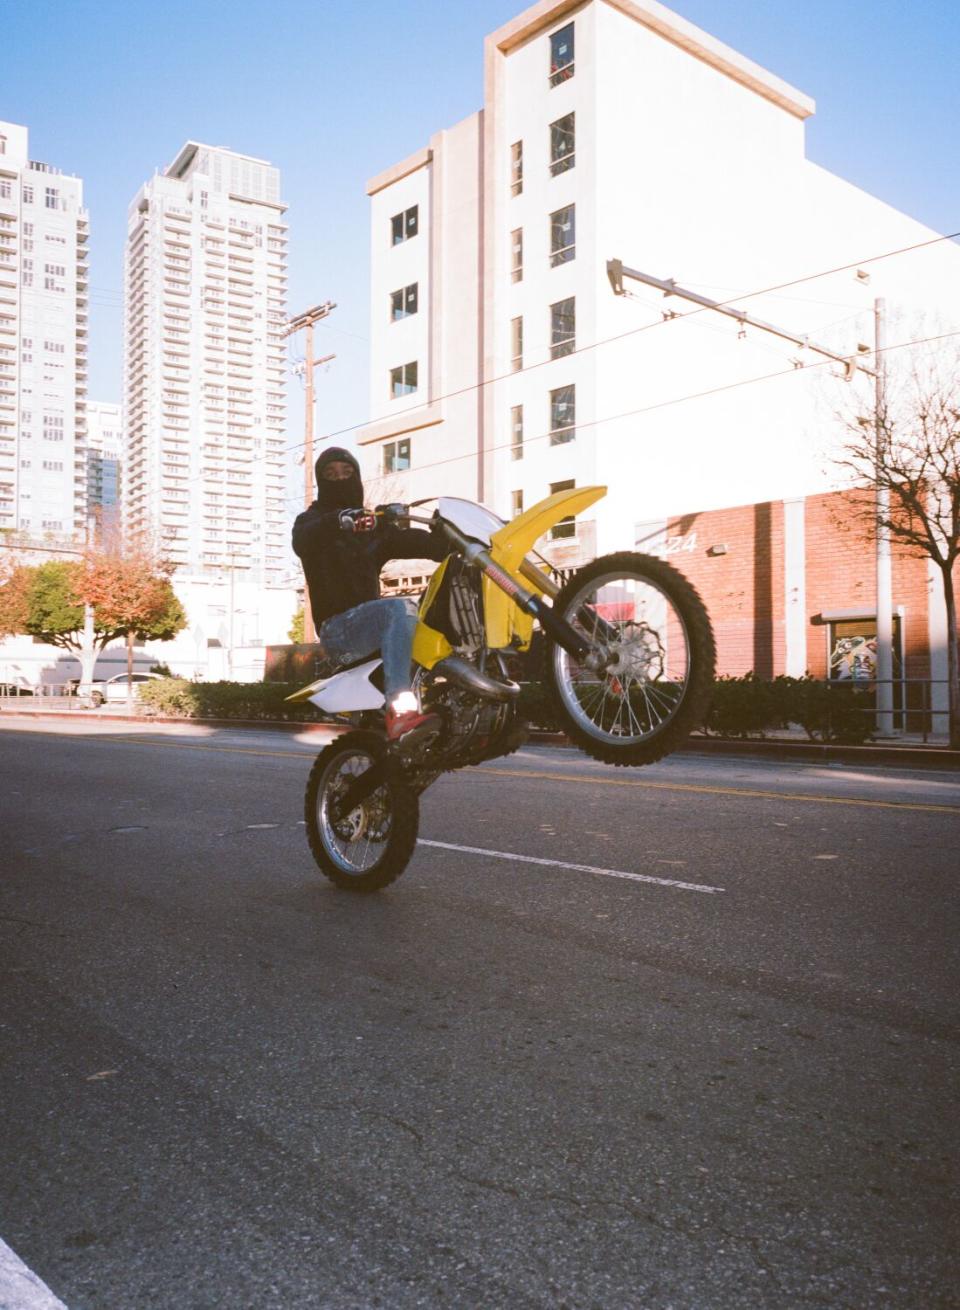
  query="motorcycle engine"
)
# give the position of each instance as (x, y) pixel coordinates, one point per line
(475, 727)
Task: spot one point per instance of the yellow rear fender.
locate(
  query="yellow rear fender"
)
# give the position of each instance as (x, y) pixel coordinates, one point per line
(513, 542)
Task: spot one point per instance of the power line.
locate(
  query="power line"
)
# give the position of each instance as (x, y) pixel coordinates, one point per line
(630, 332)
(679, 400)
(645, 327)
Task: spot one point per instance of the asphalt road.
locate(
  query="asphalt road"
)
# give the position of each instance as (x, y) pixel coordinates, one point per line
(501, 1083)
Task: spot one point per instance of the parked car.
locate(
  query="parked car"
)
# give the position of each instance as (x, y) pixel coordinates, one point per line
(117, 689)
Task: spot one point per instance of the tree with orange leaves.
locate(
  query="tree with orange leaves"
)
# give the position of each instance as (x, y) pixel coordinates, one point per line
(130, 591)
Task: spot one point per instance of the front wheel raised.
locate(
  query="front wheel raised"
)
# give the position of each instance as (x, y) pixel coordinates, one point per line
(368, 847)
(659, 659)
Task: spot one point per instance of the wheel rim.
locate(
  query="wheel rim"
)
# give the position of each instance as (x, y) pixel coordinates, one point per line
(642, 689)
(357, 842)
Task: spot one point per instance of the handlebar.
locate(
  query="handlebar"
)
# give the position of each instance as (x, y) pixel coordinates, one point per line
(399, 515)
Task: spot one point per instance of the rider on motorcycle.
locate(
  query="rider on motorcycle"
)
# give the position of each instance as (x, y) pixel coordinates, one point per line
(343, 547)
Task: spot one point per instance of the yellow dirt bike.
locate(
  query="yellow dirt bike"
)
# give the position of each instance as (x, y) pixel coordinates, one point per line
(629, 662)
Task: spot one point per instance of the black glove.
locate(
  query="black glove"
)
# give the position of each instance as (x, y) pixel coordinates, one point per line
(357, 520)
(392, 514)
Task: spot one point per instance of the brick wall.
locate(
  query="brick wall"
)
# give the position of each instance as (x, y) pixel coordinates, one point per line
(744, 588)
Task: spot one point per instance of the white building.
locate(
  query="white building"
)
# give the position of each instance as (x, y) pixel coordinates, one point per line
(104, 460)
(43, 343)
(204, 410)
(502, 364)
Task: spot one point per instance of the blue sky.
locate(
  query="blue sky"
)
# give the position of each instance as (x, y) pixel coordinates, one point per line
(332, 93)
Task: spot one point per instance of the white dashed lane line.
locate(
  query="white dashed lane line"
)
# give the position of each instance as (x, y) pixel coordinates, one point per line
(577, 868)
(20, 1288)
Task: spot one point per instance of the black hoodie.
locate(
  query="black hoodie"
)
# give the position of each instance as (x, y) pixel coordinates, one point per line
(343, 568)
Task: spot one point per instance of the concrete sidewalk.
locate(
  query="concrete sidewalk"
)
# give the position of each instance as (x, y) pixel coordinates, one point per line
(906, 752)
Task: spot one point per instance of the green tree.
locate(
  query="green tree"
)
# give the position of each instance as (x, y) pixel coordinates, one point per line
(295, 632)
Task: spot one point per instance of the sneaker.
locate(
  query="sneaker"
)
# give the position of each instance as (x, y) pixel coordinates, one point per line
(400, 722)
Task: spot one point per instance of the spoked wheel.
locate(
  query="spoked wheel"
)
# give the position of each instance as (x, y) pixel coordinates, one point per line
(367, 846)
(659, 659)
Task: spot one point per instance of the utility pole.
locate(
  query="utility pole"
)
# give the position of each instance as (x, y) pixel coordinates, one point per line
(305, 321)
(884, 561)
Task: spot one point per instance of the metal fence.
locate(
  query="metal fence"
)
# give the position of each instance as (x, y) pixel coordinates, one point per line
(914, 711)
(63, 693)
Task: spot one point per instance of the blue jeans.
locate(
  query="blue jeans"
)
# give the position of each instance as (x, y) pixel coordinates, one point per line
(386, 625)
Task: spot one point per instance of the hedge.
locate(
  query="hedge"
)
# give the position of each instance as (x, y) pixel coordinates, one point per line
(827, 711)
(179, 698)
(742, 707)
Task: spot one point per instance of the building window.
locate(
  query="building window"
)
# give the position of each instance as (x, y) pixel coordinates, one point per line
(6, 189)
(561, 55)
(567, 526)
(516, 432)
(516, 255)
(52, 198)
(562, 144)
(403, 303)
(563, 235)
(396, 456)
(516, 344)
(54, 275)
(853, 649)
(516, 168)
(404, 226)
(28, 195)
(563, 414)
(516, 503)
(403, 380)
(563, 327)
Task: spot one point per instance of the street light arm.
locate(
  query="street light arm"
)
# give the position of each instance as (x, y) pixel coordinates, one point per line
(616, 272)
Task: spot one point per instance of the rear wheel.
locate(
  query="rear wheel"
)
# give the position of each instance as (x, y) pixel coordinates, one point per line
(660, 657)
(368, 847)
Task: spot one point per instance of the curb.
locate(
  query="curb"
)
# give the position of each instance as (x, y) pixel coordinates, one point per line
(94, 716)
(813, 752)
(930, 757)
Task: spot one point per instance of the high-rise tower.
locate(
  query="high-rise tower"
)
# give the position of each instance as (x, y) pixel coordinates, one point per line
(43, 342)
(104, 461)
(205, 305)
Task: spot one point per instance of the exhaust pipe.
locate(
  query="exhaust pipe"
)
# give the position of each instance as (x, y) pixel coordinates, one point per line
(470, 678)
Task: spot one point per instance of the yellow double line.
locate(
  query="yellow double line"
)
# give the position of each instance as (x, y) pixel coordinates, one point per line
(724, 791)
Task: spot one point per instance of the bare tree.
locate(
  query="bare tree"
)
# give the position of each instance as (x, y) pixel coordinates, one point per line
(907, 447)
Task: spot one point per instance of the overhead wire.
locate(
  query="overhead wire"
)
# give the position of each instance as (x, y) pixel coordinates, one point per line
(644, 327)
(792, 371)
(631, 332)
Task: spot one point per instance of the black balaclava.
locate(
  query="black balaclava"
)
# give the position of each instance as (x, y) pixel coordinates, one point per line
(347, 493)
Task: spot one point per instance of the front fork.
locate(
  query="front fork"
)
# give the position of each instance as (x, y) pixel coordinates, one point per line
(586, 653)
